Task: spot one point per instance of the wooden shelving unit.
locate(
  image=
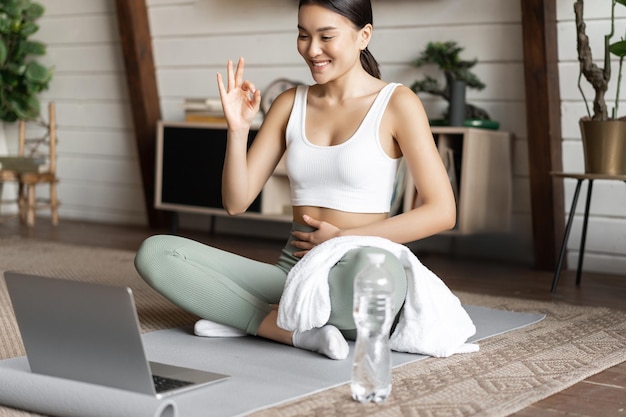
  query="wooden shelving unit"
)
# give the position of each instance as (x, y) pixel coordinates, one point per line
(480, 169)
(189, 162)
(479, 161)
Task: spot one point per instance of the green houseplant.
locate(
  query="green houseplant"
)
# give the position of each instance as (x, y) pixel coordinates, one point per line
(22, 78)
(446, 56)
(603, 134)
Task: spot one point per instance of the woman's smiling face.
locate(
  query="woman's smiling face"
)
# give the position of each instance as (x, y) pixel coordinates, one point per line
(329, 43)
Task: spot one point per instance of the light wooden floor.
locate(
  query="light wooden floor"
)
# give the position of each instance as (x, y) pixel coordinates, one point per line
(603, 395)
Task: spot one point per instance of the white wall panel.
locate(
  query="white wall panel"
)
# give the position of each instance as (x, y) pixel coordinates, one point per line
(90, 114)
(608, 198)
(98, 86)
(601, 238)
(73, 7)
(95, 58)
(596, 30)
(484, 45)
(168, 2)
(75, 29)
(573, 159)
(94, 142)
(444, 13)
(568, 77)
(594, 9)
(571, 112)
(264, 49)
(206, 17)
(97, 163)
(597, 262)
(99, 170)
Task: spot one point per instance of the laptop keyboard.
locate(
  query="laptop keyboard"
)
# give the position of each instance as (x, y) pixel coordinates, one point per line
(163, 384)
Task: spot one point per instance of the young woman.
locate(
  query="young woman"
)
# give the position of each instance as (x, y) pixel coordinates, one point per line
(344, 137)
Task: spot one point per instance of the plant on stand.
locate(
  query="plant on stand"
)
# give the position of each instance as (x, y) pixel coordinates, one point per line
(603, 135)
(22, 78)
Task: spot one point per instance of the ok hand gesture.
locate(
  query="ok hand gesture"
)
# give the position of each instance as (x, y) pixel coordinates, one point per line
(241, 100)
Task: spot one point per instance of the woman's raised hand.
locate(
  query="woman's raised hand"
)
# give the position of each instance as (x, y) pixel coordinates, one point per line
(240, 99)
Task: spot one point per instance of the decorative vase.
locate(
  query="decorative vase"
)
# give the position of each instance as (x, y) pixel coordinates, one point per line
(456, 114)
(604, 146)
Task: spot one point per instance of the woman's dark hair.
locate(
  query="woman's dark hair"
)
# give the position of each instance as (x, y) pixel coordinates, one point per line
(359, 12)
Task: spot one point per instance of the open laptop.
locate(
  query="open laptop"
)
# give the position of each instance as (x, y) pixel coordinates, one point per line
(90, 332)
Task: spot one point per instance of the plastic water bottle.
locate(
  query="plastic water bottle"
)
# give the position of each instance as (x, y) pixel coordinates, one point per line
(371, 369)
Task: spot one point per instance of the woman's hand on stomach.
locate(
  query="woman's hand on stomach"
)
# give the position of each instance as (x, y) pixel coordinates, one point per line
(328, 223)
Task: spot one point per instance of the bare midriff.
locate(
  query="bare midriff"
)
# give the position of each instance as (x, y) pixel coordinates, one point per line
(341, 219)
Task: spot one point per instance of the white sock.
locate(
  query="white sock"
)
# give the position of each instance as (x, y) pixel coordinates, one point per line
(208, 328)
(326, 340)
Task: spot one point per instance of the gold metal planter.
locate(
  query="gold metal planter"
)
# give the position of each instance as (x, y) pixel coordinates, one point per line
(604, 146)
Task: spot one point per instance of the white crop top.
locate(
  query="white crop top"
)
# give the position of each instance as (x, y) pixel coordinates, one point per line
(355, 176)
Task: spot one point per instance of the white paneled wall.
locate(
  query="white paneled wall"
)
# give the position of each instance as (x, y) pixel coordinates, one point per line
(97, 162)
(606, 235)
(192, 40)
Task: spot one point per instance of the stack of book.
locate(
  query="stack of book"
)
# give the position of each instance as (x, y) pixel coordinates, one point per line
(200, 110)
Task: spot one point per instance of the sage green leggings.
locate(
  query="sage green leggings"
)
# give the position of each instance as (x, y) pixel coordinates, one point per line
(237, 291)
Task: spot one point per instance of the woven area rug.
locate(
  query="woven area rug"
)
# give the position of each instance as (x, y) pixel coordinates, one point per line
(511, 372)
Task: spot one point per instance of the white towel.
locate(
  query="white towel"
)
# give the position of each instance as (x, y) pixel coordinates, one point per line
(433, 322)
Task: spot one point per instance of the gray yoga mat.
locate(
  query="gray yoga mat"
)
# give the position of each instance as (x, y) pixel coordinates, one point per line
(263, 374)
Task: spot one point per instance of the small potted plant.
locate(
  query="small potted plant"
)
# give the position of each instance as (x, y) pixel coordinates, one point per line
(603, 133)
(446, 56)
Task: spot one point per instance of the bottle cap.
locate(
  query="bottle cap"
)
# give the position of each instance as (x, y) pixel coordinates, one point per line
(376, 258)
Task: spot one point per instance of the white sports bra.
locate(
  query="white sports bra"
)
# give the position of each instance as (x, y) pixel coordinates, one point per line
(355, 176)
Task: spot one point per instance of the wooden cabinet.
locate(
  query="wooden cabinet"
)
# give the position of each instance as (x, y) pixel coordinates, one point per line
(190, 158)
(189, 162)
(480, 170)
(275, 198)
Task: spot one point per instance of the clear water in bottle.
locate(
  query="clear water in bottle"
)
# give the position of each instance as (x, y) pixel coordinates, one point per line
(371, 369)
